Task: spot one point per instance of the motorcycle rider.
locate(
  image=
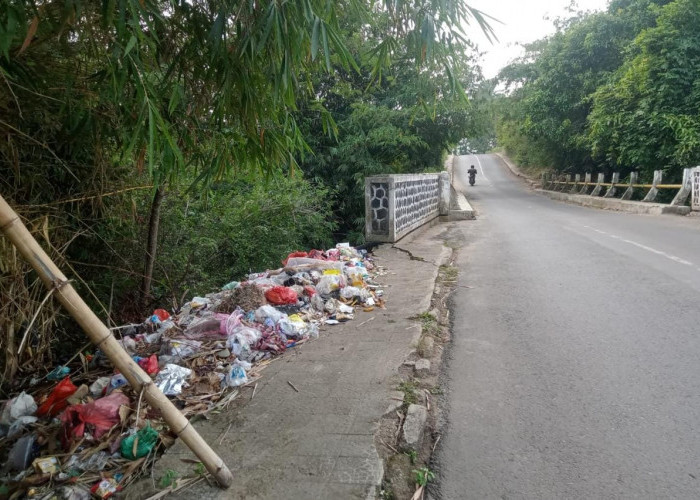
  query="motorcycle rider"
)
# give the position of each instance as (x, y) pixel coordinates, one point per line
(472, 174)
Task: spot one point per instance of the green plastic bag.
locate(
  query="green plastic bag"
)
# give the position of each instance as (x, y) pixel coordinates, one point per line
(147, 439)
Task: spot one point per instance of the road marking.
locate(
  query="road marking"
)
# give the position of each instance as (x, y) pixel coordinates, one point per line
(482, 169)
(644, 247)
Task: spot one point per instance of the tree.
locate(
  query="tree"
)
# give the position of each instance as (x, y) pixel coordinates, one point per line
(648, 116)
(208, 87)
(545, 119)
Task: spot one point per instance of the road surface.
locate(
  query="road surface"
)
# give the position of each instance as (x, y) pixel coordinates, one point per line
(574, 370)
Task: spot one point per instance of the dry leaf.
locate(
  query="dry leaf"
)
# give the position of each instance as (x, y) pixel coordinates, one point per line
(30, 34)
(124, 412)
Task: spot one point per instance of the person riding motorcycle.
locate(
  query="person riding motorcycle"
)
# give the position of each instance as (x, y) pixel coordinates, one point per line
(472, 175)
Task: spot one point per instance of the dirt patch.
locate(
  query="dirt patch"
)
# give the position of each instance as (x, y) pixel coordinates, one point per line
(248, 296)
(405, 465)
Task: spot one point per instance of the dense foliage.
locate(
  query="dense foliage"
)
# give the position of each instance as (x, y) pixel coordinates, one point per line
(404, 124)
(610, 91)
(123, 117)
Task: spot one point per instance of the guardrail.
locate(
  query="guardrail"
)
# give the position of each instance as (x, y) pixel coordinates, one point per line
(690, 185)
(396, 204)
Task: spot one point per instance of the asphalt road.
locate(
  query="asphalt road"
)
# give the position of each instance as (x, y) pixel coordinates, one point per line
(574, 370)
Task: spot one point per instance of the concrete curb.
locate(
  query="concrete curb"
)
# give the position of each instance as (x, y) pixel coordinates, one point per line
(633, 207)
(516, 171)
(460, 208)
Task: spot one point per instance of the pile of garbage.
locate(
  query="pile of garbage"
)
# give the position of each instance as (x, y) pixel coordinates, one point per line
(88, 434)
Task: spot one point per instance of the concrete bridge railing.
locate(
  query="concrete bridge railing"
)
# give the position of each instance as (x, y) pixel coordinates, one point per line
(397, 204)
(690, 186)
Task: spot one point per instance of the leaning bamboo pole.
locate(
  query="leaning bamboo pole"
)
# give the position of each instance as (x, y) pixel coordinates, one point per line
(100, 335)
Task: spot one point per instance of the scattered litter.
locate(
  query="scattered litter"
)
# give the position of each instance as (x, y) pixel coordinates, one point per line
(46, 465)
(140, 444)
(75, 435)
(58, 373)
(172, 379)
(20, 406)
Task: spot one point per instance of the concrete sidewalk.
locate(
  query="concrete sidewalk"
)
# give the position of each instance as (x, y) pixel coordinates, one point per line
(319, 442)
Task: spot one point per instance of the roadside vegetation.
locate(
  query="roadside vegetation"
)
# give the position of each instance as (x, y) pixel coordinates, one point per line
(159, 149)
(610, 91)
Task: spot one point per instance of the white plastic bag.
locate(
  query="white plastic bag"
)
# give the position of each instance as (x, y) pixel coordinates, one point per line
(21, 406)
(237, 375)
(263, 313)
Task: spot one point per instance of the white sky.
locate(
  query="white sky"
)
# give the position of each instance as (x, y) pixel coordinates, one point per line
(523, 21)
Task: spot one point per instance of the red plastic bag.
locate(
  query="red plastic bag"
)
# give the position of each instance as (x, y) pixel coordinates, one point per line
(317, 254)
(292, 255)
(309, 291)
(162, 314)
(281, 295)
(150, 364)
(57, 399)
(101, 415)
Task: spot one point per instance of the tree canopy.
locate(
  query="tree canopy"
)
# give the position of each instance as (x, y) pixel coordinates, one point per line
(615, 90)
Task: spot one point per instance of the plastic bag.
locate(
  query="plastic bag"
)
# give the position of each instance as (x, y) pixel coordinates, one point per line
(350, 292)
(180, 348)
(315, 263)
(18, 425)
(150, 364)
(58, 373)
(95, 462)
(118, 380)
(237, 374)
(147, 439)
(21, 406)
(242, 338)
(263, 313)
(129, 345)
(317, 302)
(101, 415)
(97, 388)
(292, 255)
(206, 327)
(162, 314)
(172, 379)
(330, 283)
(281, 295)
(56, 401)
(355, 276)
(293, 326)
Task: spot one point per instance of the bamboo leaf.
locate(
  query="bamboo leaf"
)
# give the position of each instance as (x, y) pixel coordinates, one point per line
(130, 45)
(314, 38)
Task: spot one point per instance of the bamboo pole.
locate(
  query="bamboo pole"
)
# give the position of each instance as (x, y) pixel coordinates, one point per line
(100, 335)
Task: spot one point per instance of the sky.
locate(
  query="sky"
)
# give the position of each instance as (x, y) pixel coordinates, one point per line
(523, 22)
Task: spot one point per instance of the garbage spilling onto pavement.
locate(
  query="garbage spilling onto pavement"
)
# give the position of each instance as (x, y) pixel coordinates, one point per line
(80, 431)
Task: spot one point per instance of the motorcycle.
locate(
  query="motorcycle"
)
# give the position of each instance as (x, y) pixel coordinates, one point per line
(472, 178)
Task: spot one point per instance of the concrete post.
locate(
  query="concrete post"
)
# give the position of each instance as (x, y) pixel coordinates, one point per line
(444, 188)
(654, 191)
(587, 181)
(577, 179)
(598, 187)
(392, 208)
(686, 186)
(613, 189)
(627, 195)
(568, 180)
(380, 200)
